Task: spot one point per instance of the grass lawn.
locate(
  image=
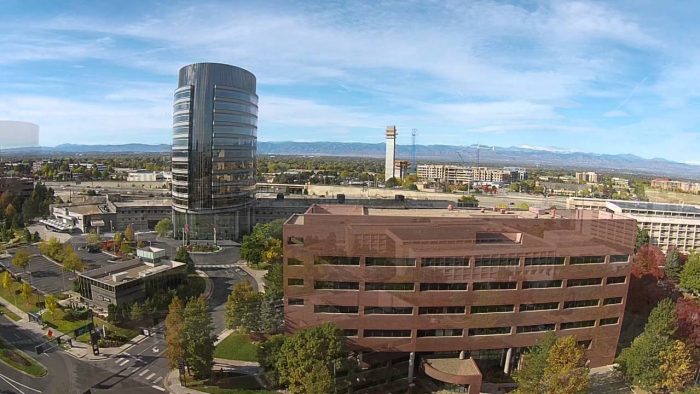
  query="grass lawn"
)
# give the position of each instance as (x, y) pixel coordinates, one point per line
(57, 321)
(208, 388)
(29, 305)
(19, 360)
(237, 347)
(9, 313)
(112, 330)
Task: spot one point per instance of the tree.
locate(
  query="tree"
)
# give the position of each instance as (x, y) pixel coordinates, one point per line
(118, 239)
(273, 251)
(268, 355)
(197, 336)
(137, 311)
(273, 278)
(51, 248)
(164, 227)
(21, 259)
(662, 320)
(688, 320)
(271, 314)
(129, 234)
(690, 276)
(566, 371)
(6, 280)
(174, 340)
(529, 377)
(243, 307)
(183, 256)
(2, 248)
(10, 212)
(51, 304)
(676, 366)
(26, 291)
(71, 260)
(391, 183)
(647, 261)
(93, 238)
(643, 238)
(306, 359)
(672, 267)
(27, 236)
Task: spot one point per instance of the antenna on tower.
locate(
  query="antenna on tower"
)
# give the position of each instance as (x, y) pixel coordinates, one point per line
(414, 164)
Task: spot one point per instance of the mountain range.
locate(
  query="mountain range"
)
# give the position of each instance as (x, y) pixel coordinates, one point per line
(525, 156)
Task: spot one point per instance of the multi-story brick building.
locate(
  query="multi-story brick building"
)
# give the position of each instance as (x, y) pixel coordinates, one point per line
(474, 286)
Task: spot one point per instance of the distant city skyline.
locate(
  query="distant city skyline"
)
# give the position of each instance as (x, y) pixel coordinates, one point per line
(580, 76)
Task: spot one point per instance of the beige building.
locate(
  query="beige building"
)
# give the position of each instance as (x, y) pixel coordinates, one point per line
(669, 225)
(457, 175)
(670, 185)
(589, 177)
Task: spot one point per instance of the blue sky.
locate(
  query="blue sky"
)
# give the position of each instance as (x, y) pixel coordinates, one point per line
(605, 77)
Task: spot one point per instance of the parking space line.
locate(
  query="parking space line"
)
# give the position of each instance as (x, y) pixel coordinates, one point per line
(158, 380)
(126, 360)
(158, 388)
(151, 376)
(145, 371)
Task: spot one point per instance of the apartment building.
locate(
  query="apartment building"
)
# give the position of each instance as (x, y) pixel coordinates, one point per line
(22, 187)
(669, 225)
(458, 289)
(589, 177)
(457, 175)
(670, 185)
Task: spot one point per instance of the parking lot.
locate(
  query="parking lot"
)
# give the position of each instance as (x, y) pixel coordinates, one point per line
(47, 277)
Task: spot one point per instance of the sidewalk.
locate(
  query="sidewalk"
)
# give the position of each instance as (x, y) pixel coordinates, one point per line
(208, 286)
(79, 350)
(257, 275)
(172, 380)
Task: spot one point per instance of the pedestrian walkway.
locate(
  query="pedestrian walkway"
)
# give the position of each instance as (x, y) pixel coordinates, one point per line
(136, 367)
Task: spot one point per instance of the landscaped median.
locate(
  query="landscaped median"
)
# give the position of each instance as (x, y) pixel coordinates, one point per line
(19, 360)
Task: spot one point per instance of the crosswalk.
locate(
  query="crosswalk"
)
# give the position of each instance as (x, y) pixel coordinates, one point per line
(205, 266)
(138, 369)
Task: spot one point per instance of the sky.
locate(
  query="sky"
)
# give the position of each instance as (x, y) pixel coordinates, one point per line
(603, 77)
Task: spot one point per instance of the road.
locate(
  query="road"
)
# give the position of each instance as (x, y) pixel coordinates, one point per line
(223, 281)
(65, 373)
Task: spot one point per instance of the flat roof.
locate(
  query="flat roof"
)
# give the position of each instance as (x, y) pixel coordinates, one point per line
(656, 206)
(152, 202)
(134, 269)
(88, 209)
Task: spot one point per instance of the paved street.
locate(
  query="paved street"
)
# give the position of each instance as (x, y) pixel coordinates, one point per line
(65, 373)
(46, 276)
(223, 280)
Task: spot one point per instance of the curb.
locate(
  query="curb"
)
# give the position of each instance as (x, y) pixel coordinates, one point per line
(209, 287)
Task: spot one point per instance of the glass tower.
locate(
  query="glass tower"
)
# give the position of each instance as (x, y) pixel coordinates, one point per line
(215, 118)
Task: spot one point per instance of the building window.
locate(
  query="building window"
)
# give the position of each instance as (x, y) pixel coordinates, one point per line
(335, 309)
(580, 304)
(295, 241)
(293, 261)
(542, 306)
(372, 286)
(329, 285)
(535, 328)
(444, 286)
(584, 282)
(389, 262)
(585, 344)
(498, 238)
(450, 332)
(613, 280)
(444, 262)
(350, 332)
(544, 261)
(609, 321)
(577, 324)
(619, 258)
(495, 286)
(440, 310)
(336, 260)
(295, 301)
(496, 261)
(612, 301)
(492, 308)
(387, 333)
(586, 260)
(295, 282)
(388, 310)
(541, 284)
(489, 331)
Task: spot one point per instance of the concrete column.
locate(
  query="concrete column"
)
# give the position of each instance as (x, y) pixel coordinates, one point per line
(411, 366)
(509, 355)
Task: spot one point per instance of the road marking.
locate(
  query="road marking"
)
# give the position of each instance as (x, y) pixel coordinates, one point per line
(13, 386)
(151, 376)
(145, 371)
(126, 360)
(16, 382)
(158, 380)
(158, 388)
(118, 360)
(155, 349)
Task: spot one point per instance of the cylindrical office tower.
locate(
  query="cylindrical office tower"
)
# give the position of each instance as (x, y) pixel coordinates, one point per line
(215, 119)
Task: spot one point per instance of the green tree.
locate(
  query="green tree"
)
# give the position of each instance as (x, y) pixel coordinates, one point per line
(164, 227)
(137, 311)
(676, 366)
(51, 304)
(643, 238)
(27, 236)
(268, 355)
(71, 260)
(93, 238)
(273, 251)
(468, 201)
(51, 248)
(391, 183)
(566, 371)
(2, 249)
(306, 359)
(255, 245)
(690, 276)
(662, 320)
(529, 377)
(271, 314)
(274, 281)
(10, 212)
(6, 280)
(672, 268)
(21, 259)
(118, 239)
(129, 234)
(183, 256)
(198, 339)
(26, 291)
(243, 307)
(174, 340)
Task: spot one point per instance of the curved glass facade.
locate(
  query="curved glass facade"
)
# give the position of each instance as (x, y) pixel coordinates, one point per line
(215, 115)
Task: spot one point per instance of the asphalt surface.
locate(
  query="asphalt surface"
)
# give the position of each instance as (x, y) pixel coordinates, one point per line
(223, 281)
(65, 373)
(46, 276)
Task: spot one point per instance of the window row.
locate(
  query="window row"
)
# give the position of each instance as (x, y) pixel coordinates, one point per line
(463, 261)
(459, 286)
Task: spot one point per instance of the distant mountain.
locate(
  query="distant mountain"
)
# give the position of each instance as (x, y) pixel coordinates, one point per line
(525, 156)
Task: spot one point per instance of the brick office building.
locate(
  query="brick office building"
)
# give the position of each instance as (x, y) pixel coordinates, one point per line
(452, 286)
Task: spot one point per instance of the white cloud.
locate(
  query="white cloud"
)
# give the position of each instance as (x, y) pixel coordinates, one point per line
(615, 113)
